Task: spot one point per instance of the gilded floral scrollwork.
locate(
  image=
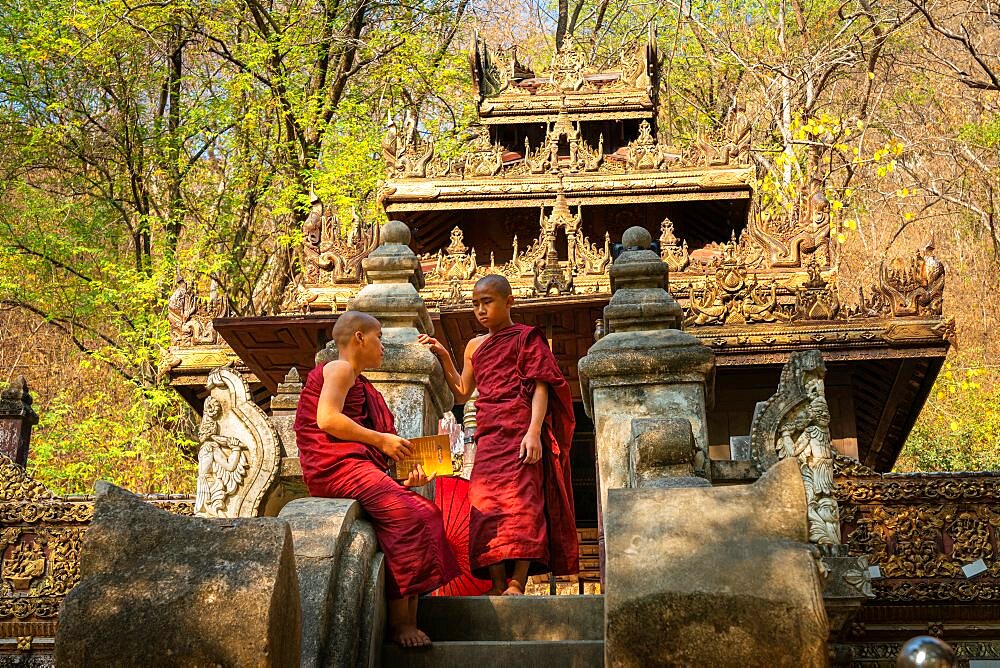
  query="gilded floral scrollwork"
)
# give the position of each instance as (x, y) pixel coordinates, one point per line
(920, 529)
(332, 252)
(40, 540)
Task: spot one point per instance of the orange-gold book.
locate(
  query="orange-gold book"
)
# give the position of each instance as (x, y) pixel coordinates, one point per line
(431, 452)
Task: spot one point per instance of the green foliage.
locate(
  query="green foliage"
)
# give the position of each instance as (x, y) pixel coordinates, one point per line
(959, 428)
(84, 438)
(147, 142)
(986, 134)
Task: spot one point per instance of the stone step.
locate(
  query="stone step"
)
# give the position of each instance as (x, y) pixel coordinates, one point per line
(498, 654)
(509, 618)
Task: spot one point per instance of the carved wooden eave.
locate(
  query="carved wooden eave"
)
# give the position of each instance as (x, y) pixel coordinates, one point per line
(511, 93)
(769, 343)
(198, 360)
(430, 194)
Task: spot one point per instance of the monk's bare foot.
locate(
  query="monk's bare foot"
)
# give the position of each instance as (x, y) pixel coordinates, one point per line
(514, 589)
(409, 636)
(495, 590)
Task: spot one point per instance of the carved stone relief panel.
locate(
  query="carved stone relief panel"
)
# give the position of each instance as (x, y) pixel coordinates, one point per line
(238, 454)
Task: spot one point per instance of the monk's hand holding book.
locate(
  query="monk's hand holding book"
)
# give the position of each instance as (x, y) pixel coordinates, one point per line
(431, 455)
(417, 477)
(395, 447)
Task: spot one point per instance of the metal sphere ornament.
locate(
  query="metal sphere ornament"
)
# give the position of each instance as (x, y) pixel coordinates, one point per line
(926, 652)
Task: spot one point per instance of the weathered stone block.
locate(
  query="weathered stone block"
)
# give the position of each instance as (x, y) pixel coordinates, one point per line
(616, 408)
(661, 448)
(713, 576)
(158, 589)
(340, 573)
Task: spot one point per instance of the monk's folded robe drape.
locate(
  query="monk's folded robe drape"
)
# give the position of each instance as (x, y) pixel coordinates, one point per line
(521, 511)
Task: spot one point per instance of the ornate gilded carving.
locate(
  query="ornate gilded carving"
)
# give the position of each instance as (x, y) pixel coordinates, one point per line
(732, 296)
(673, 251)
(23, 561)
(191, 318)
(550, 277)
(909, 287)
(568, 68)
(789, 239)
(17, 485)
(487, 69)
(647, 153)
(507, 88)
(454, 267)
(884, 654)
(816, 299)
(40, 539)
(729, 145)
(795, 424)
(481, 159)
(239, 454)
(406, 154)
(920, 529)
(332, 252)
(581, 157)
(591, 259)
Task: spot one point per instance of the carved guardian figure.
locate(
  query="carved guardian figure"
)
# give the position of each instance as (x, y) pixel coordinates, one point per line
(795, 424)
(222, 463)
(239, 453)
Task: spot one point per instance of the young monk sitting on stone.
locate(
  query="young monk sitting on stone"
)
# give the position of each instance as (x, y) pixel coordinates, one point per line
(521, 497)
(346, 437)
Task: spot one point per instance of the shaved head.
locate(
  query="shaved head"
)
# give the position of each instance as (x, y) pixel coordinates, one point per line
(350, 322)
(496, 283)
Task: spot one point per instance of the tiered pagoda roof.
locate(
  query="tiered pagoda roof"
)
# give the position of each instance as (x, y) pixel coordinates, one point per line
(563, 162)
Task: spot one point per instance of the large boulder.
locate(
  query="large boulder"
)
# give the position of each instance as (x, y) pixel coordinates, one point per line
(158, 589)
(716, 576)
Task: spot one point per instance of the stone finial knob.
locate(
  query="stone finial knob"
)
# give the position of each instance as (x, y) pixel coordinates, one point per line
(395, 232)
(17, 391)
(926, 652)
(636, 238)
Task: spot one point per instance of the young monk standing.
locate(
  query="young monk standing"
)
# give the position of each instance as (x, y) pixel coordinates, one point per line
(346, 437)
(520, 492)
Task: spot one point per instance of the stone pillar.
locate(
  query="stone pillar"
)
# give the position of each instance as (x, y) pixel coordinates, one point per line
(645, 383)
(16, 420)
(341, 581)
(284, 403)
(288, 485)
(410, 378)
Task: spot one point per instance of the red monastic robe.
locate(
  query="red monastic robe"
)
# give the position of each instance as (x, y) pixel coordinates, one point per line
(521, 511)
(410, 532)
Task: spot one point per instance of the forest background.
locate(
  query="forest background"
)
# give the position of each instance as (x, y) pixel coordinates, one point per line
(144, 141)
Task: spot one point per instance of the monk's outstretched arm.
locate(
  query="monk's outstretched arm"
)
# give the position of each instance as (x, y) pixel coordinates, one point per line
(531, 444)
(338, 377)
(462, 384)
